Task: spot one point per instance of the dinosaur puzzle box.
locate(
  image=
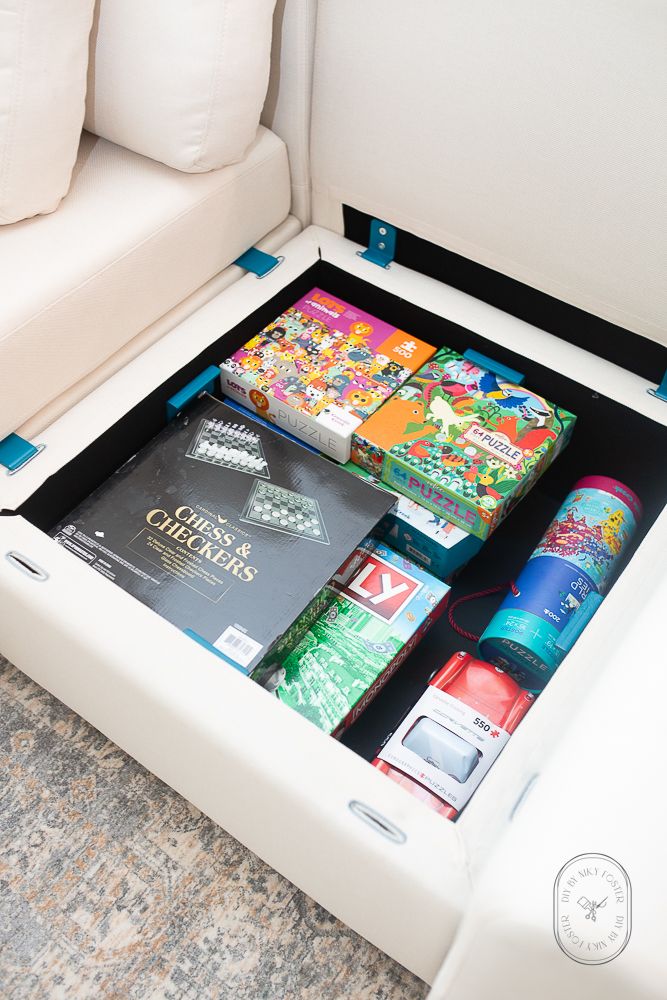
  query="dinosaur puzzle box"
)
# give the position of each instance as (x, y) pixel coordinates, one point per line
(382, 609)
(462, 441)
(321, 368)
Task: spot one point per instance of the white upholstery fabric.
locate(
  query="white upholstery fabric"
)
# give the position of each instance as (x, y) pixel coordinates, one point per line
(35, 424)
(180, 82)
(132, 240)
(288, 101)
(527, 135)
(43, 62)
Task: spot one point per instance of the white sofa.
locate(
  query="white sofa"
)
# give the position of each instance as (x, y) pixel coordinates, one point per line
(525, 136)
(507, 134)
(173, 180)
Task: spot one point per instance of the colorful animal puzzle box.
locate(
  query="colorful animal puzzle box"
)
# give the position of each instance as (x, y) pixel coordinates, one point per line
(382, 610)
(434, 543)
(462, 441)
(321, 368)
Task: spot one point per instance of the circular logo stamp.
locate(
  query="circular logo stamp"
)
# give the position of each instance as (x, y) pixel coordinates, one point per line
(592, 909)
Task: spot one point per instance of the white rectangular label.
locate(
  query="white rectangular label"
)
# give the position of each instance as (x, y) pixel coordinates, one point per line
(423, 558)
(495, 443)
(445, 746)
(238, 646)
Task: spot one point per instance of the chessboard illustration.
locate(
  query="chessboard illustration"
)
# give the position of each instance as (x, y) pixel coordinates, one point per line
(284, 510)
(233, 446)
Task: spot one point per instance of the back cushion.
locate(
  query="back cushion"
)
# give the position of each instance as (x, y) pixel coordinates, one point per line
(526, 135)
(43, 62)
(181, 81)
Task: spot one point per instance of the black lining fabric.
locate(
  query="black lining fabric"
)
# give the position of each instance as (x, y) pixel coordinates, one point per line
(638, 354)
(609, 439)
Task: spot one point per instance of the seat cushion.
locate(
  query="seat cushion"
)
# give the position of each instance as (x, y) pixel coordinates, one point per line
(181, 82)
(132, 239)
(43, 66)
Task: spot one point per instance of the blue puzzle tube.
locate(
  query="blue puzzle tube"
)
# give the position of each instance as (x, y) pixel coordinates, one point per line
(563, 582)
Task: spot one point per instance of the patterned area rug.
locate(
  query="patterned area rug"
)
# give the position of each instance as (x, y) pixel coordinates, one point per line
(113, 886)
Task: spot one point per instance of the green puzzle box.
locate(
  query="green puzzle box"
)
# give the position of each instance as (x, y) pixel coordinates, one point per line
(381, 611)
(462, 441)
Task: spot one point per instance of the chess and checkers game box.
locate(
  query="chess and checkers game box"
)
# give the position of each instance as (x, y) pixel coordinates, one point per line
(321, 368)
(227, 529)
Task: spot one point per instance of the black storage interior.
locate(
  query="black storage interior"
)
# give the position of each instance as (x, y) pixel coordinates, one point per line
(609, 439)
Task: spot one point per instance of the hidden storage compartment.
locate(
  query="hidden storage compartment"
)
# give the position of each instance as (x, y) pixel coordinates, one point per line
(609, 439)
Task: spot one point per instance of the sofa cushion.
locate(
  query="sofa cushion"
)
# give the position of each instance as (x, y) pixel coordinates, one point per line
(43, 64)
(180, 82)
(132, 239)
(287, 106)
(528, 137)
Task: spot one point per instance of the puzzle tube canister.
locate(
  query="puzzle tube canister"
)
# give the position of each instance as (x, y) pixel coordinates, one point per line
(563, 582)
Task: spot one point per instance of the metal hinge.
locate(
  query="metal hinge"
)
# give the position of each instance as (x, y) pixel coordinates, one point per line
(258, 262)
(204, 382)
(660, 392)
(381, 244)
(15, 452)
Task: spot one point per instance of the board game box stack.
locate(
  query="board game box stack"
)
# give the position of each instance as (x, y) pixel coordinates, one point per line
(383, 608)
(228, 530)
(321, 368)
(427, 538)
(462, 442)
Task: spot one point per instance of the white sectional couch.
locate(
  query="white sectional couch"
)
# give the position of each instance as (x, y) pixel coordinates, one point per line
(172, 180)
(527, 137)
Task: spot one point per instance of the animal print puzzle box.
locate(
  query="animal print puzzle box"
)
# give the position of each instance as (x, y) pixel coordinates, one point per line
(321, 368)
(226, 529)
(462, 441)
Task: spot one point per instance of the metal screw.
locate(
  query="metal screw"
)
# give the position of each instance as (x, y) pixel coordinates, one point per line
(381, 246)
(382, 231)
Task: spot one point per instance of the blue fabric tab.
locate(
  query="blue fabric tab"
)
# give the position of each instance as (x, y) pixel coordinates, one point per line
(494, 366)
(204, 382)
(15, 451)
(258, 262)
(381, 244)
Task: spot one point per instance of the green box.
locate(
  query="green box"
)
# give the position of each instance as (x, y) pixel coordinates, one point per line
(381, 611)
(462, 441)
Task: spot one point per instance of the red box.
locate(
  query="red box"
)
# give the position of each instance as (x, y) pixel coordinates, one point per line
(482, 687)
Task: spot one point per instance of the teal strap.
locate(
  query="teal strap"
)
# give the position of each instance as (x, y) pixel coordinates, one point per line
(15, 452)
(661, 390)
(204, 382)
(510, 374)
(258, 262)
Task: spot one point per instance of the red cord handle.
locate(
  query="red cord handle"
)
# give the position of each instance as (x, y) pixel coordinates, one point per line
(473, 597)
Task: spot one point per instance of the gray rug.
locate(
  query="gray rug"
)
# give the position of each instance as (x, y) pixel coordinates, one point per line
(113, 886)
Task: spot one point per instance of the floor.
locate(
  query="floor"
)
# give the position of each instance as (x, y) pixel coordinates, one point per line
(113, 886)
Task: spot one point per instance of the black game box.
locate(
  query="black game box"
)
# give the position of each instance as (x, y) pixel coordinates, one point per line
(226, 529)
